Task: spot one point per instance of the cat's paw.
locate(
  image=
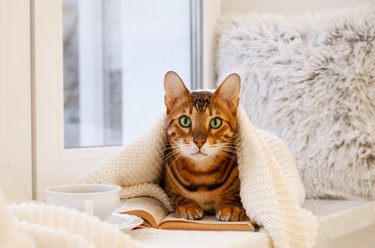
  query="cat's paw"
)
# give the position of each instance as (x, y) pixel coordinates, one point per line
(230, 213)
(189, 211)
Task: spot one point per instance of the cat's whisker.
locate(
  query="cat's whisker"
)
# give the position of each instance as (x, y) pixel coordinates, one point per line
(168, 156)
(174, 161)
(229, 147)
(168, 152)
(233, 147)
(170, 147)
(226, 156)
(228, 150)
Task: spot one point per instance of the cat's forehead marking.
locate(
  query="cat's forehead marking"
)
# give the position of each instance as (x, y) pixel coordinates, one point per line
(201, 100)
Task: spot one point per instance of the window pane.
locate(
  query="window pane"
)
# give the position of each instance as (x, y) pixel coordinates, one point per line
(116, 53)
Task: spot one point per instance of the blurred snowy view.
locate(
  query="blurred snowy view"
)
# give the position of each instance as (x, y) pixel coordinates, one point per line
(71, 91)
(116, 53)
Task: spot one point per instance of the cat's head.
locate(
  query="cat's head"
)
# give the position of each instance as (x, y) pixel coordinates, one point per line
(201, 125)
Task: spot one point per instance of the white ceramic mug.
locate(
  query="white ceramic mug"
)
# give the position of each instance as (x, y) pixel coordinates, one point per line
(95, 199)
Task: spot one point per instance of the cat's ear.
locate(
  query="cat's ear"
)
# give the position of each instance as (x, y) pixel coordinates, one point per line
(229, 91)
(175, 90)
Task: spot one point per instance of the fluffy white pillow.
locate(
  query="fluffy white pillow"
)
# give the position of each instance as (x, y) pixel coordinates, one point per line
(310, 79)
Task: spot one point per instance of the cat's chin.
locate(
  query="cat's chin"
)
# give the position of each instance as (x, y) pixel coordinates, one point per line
(199, 156)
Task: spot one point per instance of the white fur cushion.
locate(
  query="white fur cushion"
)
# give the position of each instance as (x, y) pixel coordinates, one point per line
(310, 79)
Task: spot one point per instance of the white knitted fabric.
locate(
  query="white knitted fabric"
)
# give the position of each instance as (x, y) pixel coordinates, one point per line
(271, 190)
(29, 225)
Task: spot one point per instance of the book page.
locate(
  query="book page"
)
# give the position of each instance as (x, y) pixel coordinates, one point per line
(150, 209)
(208, 222)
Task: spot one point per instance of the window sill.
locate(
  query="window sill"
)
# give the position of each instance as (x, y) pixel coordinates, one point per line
(342, 224)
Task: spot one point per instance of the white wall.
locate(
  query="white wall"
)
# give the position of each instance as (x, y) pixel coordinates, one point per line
(285, 6)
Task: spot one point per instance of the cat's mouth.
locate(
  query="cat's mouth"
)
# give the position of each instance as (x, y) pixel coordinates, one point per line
(199, 153)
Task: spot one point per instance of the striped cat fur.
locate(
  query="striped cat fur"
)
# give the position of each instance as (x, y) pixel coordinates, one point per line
(200, 164)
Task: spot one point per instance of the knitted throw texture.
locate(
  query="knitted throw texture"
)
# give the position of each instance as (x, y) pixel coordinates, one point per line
(271, 190)
(30, 225)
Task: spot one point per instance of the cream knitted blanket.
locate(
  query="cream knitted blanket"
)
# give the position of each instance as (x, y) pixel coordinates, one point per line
(39, 225)
(271, 190)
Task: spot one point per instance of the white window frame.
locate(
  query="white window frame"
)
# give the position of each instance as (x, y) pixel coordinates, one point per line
(15, 101)
(52, 164)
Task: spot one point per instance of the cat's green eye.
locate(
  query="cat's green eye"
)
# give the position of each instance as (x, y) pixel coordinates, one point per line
(215, 122)
(185, 121)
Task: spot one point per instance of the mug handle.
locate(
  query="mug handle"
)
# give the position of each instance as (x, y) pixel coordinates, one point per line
(88, 207)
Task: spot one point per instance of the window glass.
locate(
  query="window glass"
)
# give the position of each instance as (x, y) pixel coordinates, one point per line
(116, 53)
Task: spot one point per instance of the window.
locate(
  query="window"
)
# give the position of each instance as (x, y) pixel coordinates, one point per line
(116, 53)
(97, 69)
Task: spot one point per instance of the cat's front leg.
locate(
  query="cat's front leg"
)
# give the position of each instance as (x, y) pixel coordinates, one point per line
(231, 212)
(186, 208)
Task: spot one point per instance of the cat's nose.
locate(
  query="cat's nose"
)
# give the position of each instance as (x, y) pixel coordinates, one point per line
(199, 142)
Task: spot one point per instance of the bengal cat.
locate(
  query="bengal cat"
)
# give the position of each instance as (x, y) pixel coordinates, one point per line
(200, 164)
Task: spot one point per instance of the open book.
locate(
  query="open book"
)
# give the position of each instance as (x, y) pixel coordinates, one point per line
(156, 215)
